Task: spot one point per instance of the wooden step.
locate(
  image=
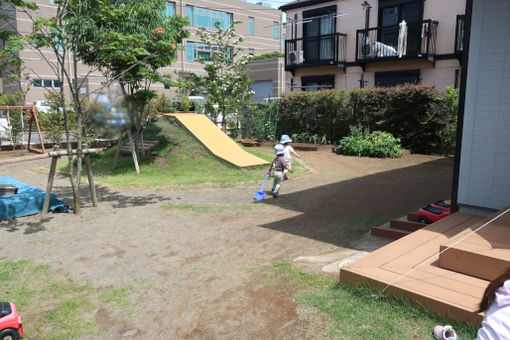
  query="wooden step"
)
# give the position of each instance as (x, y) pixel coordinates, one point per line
(147, 146)
(412, 216)
(406, 225)
(389, 232)
(484, 254)
(409, 266)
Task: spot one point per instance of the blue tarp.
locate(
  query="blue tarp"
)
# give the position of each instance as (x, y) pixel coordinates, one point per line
(28, 201)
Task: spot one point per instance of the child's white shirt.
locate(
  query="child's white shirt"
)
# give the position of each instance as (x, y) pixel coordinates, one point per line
(495, 325)
(287, 153)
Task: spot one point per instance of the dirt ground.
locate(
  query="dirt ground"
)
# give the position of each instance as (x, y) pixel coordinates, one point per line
(195, 275)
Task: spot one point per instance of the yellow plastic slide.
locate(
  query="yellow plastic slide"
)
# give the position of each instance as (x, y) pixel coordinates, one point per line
(216, 141)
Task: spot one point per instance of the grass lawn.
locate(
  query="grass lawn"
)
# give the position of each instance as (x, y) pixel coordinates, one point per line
(179, 160)
(51, 307)
(357, 312)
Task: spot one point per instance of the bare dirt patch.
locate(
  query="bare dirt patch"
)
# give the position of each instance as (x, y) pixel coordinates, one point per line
(192, 275)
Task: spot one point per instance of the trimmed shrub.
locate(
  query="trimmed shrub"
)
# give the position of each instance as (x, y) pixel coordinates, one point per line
(422, 117)
(376, 144)
(319, 116)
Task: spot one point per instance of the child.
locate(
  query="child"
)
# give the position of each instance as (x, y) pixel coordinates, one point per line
(278, 166)
(496, 305)
(287, 153)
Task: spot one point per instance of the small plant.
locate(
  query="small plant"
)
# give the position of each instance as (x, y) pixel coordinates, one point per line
(376, 144)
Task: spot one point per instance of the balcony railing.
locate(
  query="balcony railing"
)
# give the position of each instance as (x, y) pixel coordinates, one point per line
(328, 49)
(386, 43)
(459, 35)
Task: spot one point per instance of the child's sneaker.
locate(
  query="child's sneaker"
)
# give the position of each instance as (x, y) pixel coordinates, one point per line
(275, 194)
(444, 333)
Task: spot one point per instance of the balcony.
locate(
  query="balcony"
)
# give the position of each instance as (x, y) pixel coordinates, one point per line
(459, 36)
(328, 49)
(383, 43)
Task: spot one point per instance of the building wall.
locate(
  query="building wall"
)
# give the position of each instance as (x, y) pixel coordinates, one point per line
(270, 69)
(262, 41)
(351, 17)
(484, 180)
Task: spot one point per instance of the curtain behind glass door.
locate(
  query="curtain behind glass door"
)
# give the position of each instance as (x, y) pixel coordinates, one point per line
(327, 41)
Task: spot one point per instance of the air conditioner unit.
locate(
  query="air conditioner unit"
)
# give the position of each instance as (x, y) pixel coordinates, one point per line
(296, 57)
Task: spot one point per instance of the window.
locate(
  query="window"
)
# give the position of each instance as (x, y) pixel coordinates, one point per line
(251, 51)
(196, 50)
(251, 25)
(275, 29)
(48, 83)
(315, 83)
(283, 41)
(393, 12)
(170, 9)
(319, 22)
(394, 78)
(203, 17)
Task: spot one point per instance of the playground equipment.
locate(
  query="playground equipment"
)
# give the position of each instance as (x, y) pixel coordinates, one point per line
(55, 155)
(216, 141)
(31, 112)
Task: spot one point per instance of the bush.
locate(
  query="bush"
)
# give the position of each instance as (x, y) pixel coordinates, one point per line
(258, 121)
(448, 107)
(376, 144)
(314, 116)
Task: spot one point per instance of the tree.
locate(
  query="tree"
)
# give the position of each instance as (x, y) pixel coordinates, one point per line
(130, 44)
(118, 36)
(227, 83)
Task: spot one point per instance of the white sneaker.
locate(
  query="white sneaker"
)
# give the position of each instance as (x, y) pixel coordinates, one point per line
(444, 333)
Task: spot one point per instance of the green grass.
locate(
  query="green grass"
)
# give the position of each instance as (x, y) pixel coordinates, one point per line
(51, 307)
(206, 208)
(119, 297)
(358, 312)
(54, 306)
(179, 160)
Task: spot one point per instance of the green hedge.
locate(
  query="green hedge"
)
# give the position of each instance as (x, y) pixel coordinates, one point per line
(321, 113)
(422, 117)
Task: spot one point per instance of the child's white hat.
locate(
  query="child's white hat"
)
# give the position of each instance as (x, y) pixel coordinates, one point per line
(285, 139)
(278, 149)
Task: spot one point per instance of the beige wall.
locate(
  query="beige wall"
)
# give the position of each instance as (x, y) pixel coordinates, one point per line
(37, 65)
(351, 17)
(270, 69)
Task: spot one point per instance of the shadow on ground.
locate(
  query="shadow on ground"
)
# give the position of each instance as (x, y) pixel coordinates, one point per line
(34, 224)
(114, 198)
(29, 227)
(341, 212)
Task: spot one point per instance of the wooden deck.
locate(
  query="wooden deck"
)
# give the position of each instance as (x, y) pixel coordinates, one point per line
(411, 265)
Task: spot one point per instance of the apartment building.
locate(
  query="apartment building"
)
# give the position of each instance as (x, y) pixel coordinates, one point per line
(260, 26)
(353, 43)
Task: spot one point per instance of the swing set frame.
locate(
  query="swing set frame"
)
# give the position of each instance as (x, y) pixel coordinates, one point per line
(32, 113)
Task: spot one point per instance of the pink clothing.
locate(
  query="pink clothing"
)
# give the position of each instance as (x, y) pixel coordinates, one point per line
(496, 324)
